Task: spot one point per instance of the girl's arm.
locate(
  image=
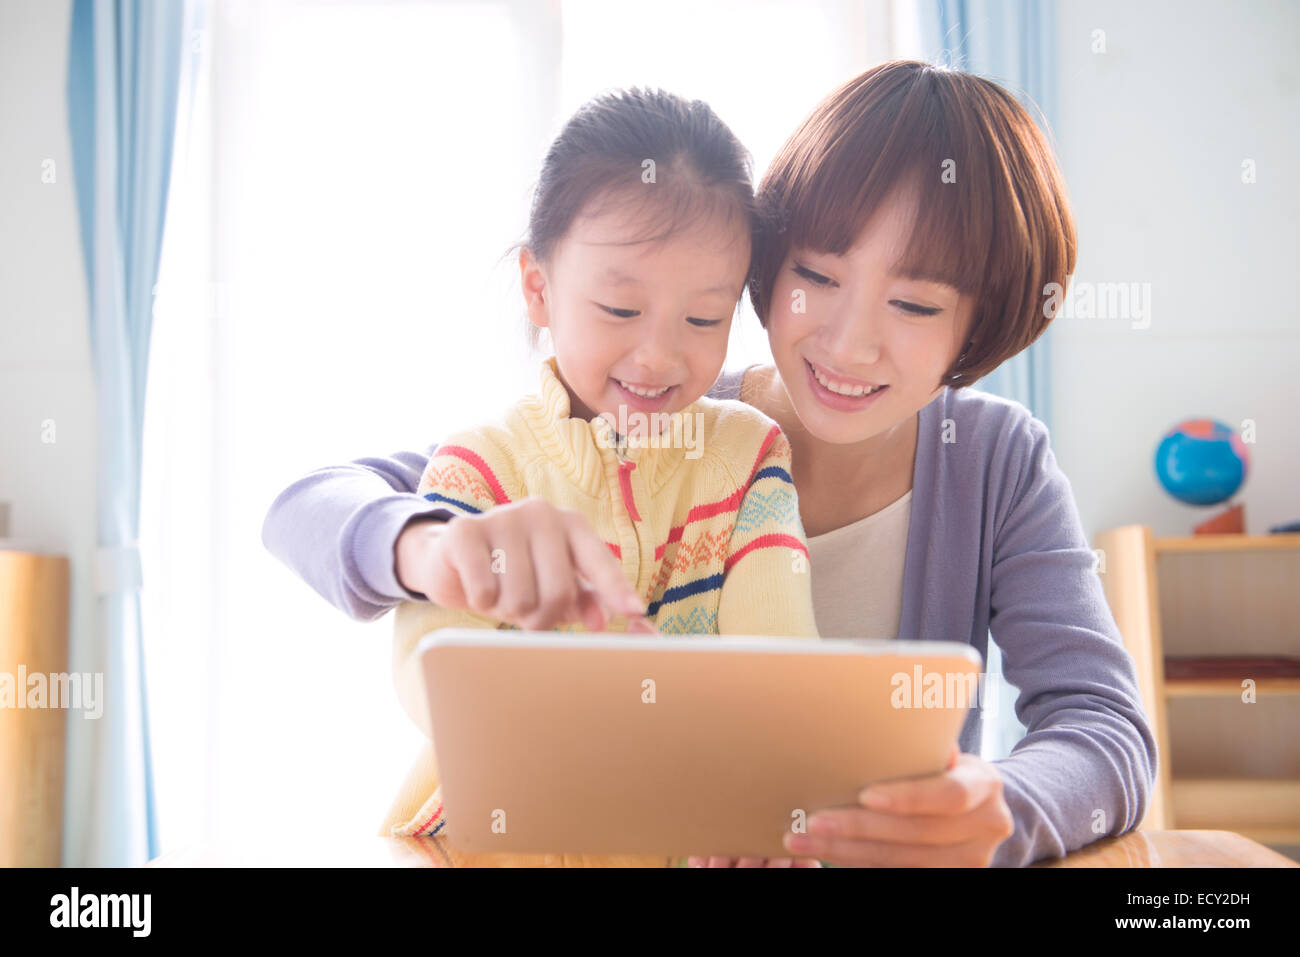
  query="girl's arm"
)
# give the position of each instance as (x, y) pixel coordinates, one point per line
(767, 588)
(1085, 768)
(336, 528)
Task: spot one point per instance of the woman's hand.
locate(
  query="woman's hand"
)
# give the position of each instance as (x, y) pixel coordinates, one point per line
(529, 564)
(956, 818)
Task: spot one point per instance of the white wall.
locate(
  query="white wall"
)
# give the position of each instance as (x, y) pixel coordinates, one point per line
(45, 371)
(1152, 134)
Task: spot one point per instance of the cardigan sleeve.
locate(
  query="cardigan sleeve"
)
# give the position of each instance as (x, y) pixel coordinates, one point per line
(767, 584)
(336, 527)
(1085, 768)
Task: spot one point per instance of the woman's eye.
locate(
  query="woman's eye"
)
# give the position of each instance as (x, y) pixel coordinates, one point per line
(914, 309)
(814, 278)
(703, 322)
(621, 313)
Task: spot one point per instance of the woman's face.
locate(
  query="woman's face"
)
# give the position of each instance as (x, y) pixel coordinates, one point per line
(843, 326)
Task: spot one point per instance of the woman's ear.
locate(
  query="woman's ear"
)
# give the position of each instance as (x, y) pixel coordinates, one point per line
(532, 279)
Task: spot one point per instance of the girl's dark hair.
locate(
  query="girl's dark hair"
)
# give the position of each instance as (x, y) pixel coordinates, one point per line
(671, 157)
(992, 220)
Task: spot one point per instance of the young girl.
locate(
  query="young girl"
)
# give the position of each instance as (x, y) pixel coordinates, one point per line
(912, 225)
(638, 250)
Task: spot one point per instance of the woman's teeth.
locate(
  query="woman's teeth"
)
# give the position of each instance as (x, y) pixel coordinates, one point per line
(849, 390)
(644, 393)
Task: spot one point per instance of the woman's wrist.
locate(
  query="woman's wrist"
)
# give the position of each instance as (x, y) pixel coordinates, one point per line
(412, 544)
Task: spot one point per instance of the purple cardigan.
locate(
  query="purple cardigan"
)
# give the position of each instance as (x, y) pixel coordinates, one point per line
(994, 544)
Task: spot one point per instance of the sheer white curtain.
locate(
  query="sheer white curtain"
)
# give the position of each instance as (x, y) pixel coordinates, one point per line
(332, 288)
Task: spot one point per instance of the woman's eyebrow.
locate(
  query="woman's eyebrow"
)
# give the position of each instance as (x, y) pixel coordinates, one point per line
(919, 274)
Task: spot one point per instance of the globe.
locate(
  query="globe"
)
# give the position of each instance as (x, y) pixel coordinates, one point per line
(1201, 462)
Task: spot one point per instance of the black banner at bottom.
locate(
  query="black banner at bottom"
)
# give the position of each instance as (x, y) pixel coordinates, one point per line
(310, 905)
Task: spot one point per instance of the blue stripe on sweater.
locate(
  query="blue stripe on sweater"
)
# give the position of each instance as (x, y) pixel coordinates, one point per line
(464, 506)
(773, 471)
(685, 591)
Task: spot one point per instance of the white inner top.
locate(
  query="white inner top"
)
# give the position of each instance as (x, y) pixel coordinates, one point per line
(857, 574)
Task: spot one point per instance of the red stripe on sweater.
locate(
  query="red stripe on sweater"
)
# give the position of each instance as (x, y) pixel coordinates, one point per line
(771, 540)
(432, 818)
(729, 504)
(674, 535)
(474, 459)
(625, 483)
(772, 433)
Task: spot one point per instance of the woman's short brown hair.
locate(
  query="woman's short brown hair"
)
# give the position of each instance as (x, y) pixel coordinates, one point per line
(992, 219)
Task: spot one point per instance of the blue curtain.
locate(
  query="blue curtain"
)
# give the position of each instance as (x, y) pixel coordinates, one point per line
(123, 78)
(1012, 42)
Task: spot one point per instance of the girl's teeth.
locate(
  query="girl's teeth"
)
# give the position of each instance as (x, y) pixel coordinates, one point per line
(644, 393)
(843, 389)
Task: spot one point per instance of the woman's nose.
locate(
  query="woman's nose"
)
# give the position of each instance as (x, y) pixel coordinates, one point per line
(854, 335)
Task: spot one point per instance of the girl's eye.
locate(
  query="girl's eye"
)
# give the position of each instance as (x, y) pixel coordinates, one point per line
(914, 309)
(816, 279)
(621, 313)
(707, 323)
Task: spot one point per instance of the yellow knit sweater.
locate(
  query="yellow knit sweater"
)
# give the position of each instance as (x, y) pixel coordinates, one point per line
(703, 518)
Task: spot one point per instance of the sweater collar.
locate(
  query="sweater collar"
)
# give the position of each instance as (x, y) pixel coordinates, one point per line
(586, 449)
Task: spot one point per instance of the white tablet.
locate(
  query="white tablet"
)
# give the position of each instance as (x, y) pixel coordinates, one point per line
(618, 744)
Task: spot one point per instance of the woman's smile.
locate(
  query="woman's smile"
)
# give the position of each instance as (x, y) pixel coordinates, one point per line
(840, 393)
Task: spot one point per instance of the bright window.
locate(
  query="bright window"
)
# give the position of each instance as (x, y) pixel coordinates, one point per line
(332, 287)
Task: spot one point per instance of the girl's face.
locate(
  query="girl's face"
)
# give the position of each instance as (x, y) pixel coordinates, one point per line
(642, 326)
(842, 326)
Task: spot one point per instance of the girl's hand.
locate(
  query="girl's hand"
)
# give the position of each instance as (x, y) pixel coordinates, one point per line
(956, 818)
(529, 564)
(753, 862)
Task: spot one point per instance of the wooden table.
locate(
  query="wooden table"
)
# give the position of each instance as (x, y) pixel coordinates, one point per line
(1135, 849)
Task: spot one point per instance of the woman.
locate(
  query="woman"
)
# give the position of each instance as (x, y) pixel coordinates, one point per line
(913, 222)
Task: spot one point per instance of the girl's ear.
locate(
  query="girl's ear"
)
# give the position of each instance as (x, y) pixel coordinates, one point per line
(532, 279)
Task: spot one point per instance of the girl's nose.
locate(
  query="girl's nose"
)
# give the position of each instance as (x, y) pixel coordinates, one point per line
(660, 351)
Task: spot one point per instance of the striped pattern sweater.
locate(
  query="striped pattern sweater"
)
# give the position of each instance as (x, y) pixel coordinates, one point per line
(705, 523)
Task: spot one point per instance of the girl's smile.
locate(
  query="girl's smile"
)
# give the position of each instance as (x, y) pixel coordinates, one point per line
(644, 398)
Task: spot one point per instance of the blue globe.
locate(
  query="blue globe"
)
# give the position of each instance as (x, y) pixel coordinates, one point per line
(1201, 462)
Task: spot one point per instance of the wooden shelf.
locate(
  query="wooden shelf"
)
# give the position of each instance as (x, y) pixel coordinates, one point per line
(1227, 543)
(1207, 596)
(1236, 803)
(1229, 687)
